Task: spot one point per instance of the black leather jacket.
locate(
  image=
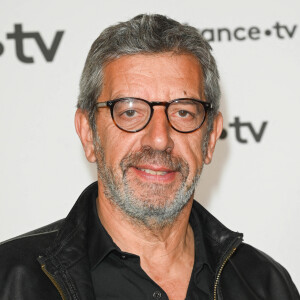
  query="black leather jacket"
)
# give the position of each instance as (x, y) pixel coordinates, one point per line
(52, 262)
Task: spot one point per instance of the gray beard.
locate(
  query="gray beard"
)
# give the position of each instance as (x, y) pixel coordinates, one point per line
(156, 208)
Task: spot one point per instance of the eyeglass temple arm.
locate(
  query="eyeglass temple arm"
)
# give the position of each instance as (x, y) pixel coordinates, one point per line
(101, 104)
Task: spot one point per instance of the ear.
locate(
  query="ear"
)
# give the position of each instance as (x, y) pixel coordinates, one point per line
(214, 135)
(85, 134)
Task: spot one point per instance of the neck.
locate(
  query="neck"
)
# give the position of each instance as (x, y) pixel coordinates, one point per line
(153, 243)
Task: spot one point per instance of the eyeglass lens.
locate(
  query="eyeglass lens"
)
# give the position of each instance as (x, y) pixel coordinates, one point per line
(133, 114)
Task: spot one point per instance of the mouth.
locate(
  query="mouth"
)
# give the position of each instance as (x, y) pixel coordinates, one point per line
(154, 173)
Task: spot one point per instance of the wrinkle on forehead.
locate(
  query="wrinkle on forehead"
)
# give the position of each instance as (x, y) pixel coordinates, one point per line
(163, 76)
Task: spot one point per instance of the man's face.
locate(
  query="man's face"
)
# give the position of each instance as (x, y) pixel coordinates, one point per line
(150, 174)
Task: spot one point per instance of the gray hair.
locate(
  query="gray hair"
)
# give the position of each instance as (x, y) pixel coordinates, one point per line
(147, 34)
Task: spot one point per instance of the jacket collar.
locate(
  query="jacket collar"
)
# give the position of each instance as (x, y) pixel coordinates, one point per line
(218, 239)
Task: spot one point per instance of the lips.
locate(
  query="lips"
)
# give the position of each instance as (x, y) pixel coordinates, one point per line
(152, 172)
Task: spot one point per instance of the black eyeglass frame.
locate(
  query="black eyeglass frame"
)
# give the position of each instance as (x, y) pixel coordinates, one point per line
(111, 103)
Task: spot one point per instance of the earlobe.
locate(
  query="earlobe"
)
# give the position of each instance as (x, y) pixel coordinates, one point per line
(85, 134)
(214, 136)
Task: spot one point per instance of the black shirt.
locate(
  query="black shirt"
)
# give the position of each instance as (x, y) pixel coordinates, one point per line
(118, 275)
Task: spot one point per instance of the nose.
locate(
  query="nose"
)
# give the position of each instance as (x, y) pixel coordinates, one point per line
(157, 132)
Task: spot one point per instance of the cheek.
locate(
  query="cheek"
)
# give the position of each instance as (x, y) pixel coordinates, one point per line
(190, 150)
(116, 144)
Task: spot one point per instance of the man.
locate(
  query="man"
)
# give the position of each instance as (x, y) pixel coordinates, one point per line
(148, 116)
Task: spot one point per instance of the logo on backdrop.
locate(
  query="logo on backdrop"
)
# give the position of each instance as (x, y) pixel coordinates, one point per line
(224, 34)
(243, 130)
(19, 37)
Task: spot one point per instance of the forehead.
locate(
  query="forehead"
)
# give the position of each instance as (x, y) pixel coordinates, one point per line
(161, 76)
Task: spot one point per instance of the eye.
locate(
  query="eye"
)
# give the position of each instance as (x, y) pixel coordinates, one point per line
(130, 113)
(183, 113)
(183, 110)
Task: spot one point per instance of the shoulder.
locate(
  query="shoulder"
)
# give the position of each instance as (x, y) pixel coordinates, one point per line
(32, 241)
(20, 270)
(252, 274)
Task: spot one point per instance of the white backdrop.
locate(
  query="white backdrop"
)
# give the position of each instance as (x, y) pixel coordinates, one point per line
(251, 186)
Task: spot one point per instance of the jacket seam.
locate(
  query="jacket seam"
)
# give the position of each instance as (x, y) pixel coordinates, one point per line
(27, 236)
(70, 284)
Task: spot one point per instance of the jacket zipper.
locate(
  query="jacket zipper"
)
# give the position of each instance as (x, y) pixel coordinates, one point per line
(220, 271)
(55, 283)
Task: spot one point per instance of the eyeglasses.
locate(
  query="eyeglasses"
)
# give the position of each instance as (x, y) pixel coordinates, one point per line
(134, 114)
